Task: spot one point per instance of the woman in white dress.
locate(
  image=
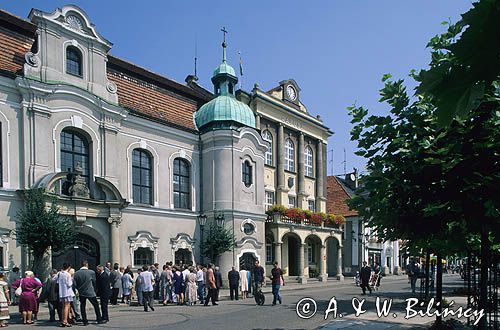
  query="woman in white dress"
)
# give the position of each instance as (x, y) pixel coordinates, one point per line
(243, 283)
(4, 301)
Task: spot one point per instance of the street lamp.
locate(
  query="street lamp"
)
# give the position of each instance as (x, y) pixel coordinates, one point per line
(219, 219)
(202, 220)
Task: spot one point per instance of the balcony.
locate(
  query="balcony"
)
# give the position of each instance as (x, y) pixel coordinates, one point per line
(283, 219)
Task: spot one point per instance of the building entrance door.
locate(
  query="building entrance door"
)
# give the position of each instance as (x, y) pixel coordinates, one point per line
(247, 261)
(84, 248)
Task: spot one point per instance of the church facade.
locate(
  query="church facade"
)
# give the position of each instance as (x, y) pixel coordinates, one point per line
(142, 164)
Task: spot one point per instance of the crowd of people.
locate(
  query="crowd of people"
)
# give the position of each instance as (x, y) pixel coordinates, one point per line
(67, 288)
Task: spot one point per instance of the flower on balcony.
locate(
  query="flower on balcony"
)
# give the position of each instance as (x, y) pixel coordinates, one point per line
(280, 209)
(308, 214)
(330, 218)
(339, 220)
(317, 218)
(295, 214)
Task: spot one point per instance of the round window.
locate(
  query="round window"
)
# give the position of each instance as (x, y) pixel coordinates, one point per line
(248, 228)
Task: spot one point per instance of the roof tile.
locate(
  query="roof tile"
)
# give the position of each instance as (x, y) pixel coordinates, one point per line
(337, 198)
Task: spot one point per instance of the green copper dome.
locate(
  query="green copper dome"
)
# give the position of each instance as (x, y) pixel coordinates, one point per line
(225, 108)
(224, 68)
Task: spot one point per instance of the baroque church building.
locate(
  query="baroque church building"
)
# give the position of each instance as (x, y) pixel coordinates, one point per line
(143, 164)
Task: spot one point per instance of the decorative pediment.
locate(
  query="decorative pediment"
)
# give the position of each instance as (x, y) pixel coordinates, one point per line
(71, 18)
(143, 239)
(250, 240)
(182, 241)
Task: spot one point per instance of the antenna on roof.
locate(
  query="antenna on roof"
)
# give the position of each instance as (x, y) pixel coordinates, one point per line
(241, 71)
(332, 164)
(345, 163)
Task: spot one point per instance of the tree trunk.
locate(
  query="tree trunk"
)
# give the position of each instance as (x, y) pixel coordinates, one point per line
(427, 274)
(439, 288)
(41, 265)
(483, 283)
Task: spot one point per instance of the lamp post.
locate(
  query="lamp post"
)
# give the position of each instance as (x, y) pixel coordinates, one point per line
(219, 219)
(202, 220)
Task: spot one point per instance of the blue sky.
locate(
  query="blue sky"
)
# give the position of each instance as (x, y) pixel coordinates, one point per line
(337, 51)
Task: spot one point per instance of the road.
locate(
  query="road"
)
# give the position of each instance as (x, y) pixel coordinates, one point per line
(244, 314)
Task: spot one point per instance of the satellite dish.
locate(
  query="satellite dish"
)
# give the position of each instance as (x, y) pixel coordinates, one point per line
(353, 177)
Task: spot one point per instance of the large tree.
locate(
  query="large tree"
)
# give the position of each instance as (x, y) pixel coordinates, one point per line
(40, 227)
(433, 163)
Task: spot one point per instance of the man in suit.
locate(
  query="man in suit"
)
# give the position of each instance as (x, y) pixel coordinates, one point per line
(234, 281)
(103, 291)
(85, 283)
(218, 282)
(366, 273)
(115, 278)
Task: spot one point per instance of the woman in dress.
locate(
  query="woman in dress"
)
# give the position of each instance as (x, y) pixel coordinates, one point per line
(27, 300)
(192, 288)
(243, 283)
(127, 285)
(66, 294)
(178, 285)
(4, 301)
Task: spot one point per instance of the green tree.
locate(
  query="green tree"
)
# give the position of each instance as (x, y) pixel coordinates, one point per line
(218, 241)
(433, 162)
(40, 227)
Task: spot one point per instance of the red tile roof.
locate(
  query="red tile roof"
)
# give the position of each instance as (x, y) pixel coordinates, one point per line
(16, 38)
(336, 198)
(141, 91)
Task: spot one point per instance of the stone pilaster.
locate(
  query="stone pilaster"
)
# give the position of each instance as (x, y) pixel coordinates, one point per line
(323, 275)
(340, 276)
(320, 178)
(277, 253)
(302, 278)
(302, 201)
(115, 238)
(280, 170)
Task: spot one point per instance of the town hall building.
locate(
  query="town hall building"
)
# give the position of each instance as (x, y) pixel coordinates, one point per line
(143, 164)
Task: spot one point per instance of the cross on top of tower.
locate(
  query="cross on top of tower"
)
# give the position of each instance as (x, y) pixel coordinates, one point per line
(224, 45)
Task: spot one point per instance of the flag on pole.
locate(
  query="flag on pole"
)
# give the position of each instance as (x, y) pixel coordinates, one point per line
(241, 64)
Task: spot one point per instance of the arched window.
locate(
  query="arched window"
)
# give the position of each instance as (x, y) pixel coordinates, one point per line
(74, 150)
(267, 136)
(289, 156)
(308, 161)
(246, 173)
(142, 177)
(182, 185)
(73, 61)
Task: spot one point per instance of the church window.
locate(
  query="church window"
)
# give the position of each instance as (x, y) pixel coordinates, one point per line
(143, 256)
(267, 136)
(142, 177)
(308, 161)
(73, 61)
(312, 205)
(269, 199)
(269, 250)
(182, 185)
(247, 173)
(289, 155)
(74, 150)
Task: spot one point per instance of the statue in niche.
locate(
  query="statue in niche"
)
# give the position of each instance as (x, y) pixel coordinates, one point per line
(68, 183)
(79, 187)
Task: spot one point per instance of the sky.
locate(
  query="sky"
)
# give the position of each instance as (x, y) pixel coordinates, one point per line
(337, 51)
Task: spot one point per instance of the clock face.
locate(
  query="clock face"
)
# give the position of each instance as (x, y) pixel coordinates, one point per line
(291, 93)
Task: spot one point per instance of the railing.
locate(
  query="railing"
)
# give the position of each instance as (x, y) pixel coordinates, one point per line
(278, 218)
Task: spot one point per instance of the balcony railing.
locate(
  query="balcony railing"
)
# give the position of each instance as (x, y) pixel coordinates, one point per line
(278, 218)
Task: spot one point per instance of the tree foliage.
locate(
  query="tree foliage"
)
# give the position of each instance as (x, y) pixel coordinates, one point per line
(40, 227)
(218, 241)
(465, 63)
